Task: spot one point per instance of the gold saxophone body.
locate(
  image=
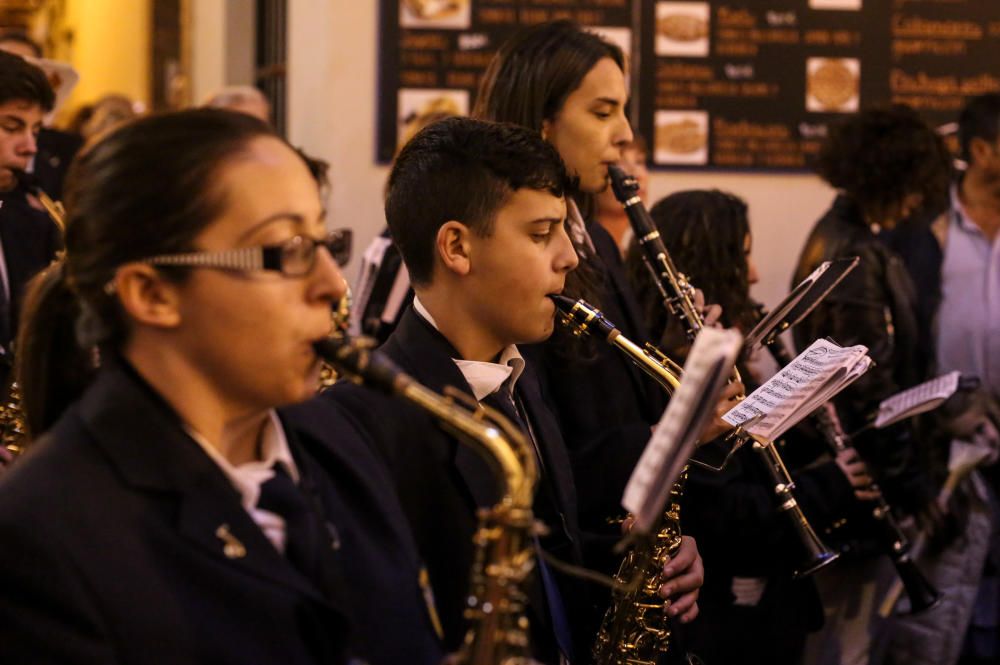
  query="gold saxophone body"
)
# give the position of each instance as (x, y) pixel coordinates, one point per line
(635, 629)
(12, 427)
(505, 556)
(13, 430)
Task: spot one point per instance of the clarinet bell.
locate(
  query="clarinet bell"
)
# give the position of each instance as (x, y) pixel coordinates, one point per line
(920, 592)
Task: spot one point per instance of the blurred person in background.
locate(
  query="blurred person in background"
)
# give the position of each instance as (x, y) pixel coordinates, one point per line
(242, 99)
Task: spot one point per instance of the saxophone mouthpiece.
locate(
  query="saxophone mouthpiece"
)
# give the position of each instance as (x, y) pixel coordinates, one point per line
(563, 304)
(581, 316)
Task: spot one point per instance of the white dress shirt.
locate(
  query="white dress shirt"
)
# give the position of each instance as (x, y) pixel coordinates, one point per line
(247, 478)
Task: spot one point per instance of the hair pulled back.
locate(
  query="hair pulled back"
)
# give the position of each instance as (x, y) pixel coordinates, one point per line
(533, 73)
(149, 187)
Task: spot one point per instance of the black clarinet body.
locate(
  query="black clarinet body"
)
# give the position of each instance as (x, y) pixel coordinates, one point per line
(922, 594)
(679, 298)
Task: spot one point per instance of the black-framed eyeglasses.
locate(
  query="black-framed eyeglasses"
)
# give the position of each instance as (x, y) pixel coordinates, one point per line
(295, 257)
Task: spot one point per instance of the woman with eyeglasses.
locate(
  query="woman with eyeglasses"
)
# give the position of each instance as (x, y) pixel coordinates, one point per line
(167, 513)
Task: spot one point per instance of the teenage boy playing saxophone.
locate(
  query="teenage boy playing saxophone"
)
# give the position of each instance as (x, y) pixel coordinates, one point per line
(478, 212)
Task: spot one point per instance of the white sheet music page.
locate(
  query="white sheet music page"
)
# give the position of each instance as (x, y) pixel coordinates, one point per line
(709, 365)
(811, 379)
(918, 399)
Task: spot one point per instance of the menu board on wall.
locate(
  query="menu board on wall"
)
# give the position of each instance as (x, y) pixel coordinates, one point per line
(724, 85)
(433, 52)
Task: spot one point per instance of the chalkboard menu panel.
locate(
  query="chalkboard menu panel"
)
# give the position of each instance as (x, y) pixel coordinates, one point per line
(725, 85)
(433, 52)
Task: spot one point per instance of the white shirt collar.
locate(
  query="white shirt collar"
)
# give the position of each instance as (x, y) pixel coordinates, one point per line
(248, 477)
(485, 378)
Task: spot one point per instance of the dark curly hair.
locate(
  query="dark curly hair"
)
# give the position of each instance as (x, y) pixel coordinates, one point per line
(705, 232)
(880, 156)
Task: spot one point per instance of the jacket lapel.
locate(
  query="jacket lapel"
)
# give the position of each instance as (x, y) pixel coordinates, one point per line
(553, 450)
(427, 356)
(120, 410)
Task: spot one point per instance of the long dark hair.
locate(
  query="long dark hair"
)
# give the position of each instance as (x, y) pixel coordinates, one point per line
(533, 73)
(704, 231)
(147, 188)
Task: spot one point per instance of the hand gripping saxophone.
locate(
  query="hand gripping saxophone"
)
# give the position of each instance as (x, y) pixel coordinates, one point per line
(678, 298)
(635, 629)
(505, 557)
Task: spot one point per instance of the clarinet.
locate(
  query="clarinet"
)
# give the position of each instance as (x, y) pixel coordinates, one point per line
(678, 297)
(922, 594)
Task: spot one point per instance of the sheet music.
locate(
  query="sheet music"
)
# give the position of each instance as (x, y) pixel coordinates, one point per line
(810, 380)
(709, 364)
(918, 399)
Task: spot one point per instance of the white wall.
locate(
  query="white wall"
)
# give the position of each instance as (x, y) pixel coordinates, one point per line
(333, 60)
(208, 47)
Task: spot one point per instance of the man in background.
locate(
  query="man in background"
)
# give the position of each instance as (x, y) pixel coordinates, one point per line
(29, 238)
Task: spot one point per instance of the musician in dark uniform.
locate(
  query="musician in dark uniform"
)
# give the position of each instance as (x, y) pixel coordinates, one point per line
(168, 513)
(28, 236)
(568, 85)
(477, 211)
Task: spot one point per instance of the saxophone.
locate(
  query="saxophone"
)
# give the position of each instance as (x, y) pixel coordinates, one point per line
(635, 630)
(13, 430)
(499, 630)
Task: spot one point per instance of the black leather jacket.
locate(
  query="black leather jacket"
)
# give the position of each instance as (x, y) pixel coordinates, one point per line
(874, 306)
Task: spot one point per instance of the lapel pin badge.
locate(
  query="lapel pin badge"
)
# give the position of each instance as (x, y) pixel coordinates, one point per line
(232, 547)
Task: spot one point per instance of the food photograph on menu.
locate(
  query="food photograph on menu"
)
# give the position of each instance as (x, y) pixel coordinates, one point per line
(832, 85)
(682, 29)
(450, 14)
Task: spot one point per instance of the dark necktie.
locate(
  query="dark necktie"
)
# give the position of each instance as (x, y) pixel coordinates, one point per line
(503, 401)
(303, 530)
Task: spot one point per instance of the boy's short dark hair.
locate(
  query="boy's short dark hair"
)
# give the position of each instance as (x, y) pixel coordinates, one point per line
(22, 81)
(464, 170)
(980, 119)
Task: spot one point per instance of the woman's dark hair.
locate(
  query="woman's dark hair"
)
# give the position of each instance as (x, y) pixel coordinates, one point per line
(533, 73)
(149, 187)
(705, 232)
(880, 156)
(527, 83)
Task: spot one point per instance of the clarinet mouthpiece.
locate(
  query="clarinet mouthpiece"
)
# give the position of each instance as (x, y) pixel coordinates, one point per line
(624, 186)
